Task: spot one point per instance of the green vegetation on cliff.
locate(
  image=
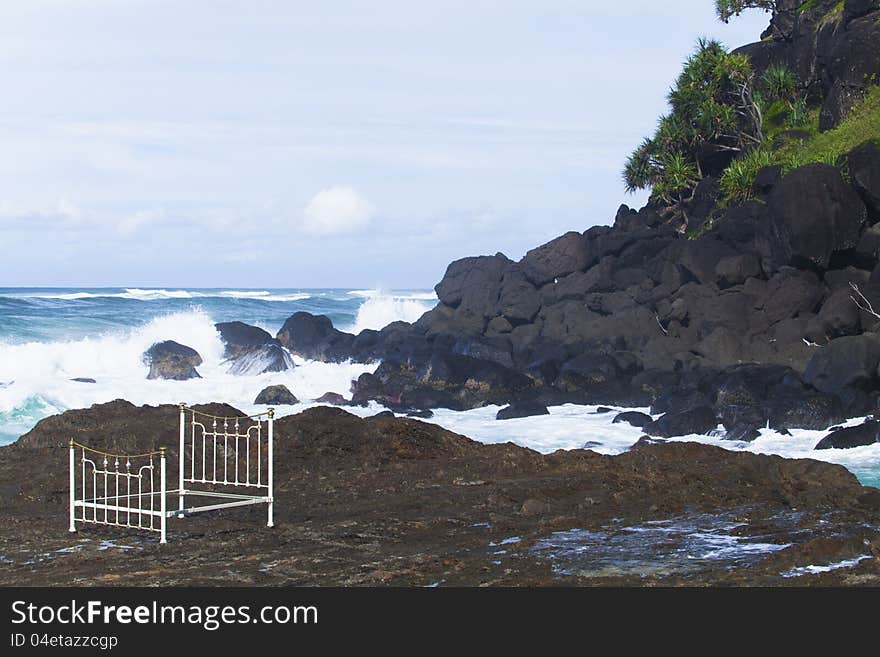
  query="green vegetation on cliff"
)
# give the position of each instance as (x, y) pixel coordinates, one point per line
(728, 120)
(727, 9)
(717, 112)
(805, 146)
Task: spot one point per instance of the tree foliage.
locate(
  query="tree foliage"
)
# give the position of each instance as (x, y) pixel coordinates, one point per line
(716, 109)
(727, 9)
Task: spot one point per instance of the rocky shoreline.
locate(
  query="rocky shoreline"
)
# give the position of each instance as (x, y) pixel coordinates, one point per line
(748, 315)
(744, 314)
(385, 501)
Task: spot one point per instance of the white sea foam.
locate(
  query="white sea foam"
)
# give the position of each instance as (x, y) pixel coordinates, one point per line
(264, 295)
(814, 569)
(138, 294)
(423, 296)
(381, 308)
(38, 373)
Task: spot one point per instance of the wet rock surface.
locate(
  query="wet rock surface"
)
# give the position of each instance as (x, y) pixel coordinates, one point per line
(384, 501)
(521, 409)
(252, 351)
(278, 395)
(866, 433)
(172, 360)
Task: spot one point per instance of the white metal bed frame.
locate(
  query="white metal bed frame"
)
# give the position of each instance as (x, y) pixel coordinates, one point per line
(125, 495)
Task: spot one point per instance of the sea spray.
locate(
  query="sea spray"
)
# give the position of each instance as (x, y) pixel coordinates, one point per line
(38, 375)
(380, 309)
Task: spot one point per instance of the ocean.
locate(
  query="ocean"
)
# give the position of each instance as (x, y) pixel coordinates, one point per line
(49, 336)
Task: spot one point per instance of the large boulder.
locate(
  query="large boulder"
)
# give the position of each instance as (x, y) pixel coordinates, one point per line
(172, 360)
(333, 398)
(838, 317)
(851, 62)
(736, 269)
(699, 420)
(866, 433)
(559, 257)
(521, 409)
(518, 299)
(598, 376)
(814, 214)
(864, 170)
(678, 399)
(268, 358)
(847, 362)
(276, 395)
(240, 338)
(803, 409)
(313, 337)
(790, 293)
(853, 9)
(633, 418)
(441, 380)
(252, 351)
(472, 285)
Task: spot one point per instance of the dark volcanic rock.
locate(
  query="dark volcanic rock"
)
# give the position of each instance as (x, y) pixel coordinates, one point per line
(700, 420)
(767, 178)
(314, 338)
(252, 350)
(742, 432)
(446, 380)
(171, 360)
(852, 61)
(240, 338)
(521, 409)
(566, 254)
(276, 395)
(803, 409)
(864, 169)
(734, 270)
(268, 358)
(847, 362)
(813, 214)
(634, 418)
(405, 481)
(473, 284)
(676, 400)
(333, 398)
(599, 376)
(83, 379)
(867, 433)
(858, 8)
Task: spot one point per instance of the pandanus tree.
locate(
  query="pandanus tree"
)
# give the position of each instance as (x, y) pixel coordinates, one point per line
(727, 9)
(716, 113)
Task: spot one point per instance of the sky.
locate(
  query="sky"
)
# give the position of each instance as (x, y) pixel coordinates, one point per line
(220, 143)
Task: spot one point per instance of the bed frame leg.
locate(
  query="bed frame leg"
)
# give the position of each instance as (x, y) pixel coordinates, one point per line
(180, 483)
(271, 519)
(162, 500)
(72, 487)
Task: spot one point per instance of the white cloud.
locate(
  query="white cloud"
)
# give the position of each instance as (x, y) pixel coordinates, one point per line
(337, 210)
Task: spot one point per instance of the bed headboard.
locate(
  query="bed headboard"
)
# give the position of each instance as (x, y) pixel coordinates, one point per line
(226, 451)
